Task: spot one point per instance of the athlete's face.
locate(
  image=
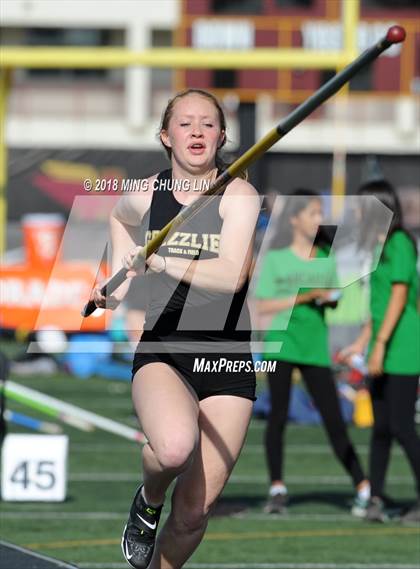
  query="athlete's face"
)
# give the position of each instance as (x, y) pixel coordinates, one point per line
(307, 221)
(194, 133)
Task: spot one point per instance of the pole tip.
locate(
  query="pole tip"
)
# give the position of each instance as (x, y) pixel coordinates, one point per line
(396, 34)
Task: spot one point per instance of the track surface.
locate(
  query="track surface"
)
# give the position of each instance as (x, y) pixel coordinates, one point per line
(15, 557)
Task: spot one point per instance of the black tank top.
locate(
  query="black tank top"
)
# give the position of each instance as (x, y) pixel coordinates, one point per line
(179, 308)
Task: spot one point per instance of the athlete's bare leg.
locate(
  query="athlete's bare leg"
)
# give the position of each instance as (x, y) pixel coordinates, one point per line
(168, 411)
(223, 423)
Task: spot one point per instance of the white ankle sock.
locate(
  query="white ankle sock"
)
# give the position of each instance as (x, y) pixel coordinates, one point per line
(364, 492)
(278, 489)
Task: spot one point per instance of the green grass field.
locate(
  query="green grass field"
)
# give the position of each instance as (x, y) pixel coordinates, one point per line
(104, 471)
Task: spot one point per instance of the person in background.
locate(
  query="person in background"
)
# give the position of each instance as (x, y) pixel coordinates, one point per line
(287, 268)
(392, 337)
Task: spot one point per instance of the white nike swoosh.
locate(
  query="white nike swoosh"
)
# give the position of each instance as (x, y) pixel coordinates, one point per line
(127, 554)
(149, 525)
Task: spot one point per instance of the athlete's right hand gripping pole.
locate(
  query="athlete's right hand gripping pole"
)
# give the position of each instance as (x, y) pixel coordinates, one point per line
(395, 34)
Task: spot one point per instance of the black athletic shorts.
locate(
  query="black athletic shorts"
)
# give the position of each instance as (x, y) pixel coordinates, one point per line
(209, 374)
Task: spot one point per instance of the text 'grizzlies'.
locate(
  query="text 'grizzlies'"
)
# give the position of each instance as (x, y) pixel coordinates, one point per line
(204, 241)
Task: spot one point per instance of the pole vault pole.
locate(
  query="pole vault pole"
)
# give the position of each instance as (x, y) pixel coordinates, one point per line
(29, 396)
(395, 34)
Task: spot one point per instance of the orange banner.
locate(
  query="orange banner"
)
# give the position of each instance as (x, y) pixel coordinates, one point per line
(31, 300)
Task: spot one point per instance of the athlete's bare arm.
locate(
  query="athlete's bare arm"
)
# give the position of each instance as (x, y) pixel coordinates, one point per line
(125, 221)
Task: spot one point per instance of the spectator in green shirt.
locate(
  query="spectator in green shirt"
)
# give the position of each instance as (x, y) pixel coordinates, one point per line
(299, 262)
(392, 339)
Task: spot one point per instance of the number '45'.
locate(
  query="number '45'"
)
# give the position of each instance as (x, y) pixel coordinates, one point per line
(43, 477)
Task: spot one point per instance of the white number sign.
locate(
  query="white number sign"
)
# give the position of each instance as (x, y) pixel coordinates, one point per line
(34, 468)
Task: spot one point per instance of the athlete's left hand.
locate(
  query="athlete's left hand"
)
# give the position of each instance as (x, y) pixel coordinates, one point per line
(376, 360)
(128, 262)
(156, 263)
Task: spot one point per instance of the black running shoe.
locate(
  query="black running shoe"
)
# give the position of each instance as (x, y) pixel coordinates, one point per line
(375, 511)
(276, 504)
(138, 540)
(413, 514)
